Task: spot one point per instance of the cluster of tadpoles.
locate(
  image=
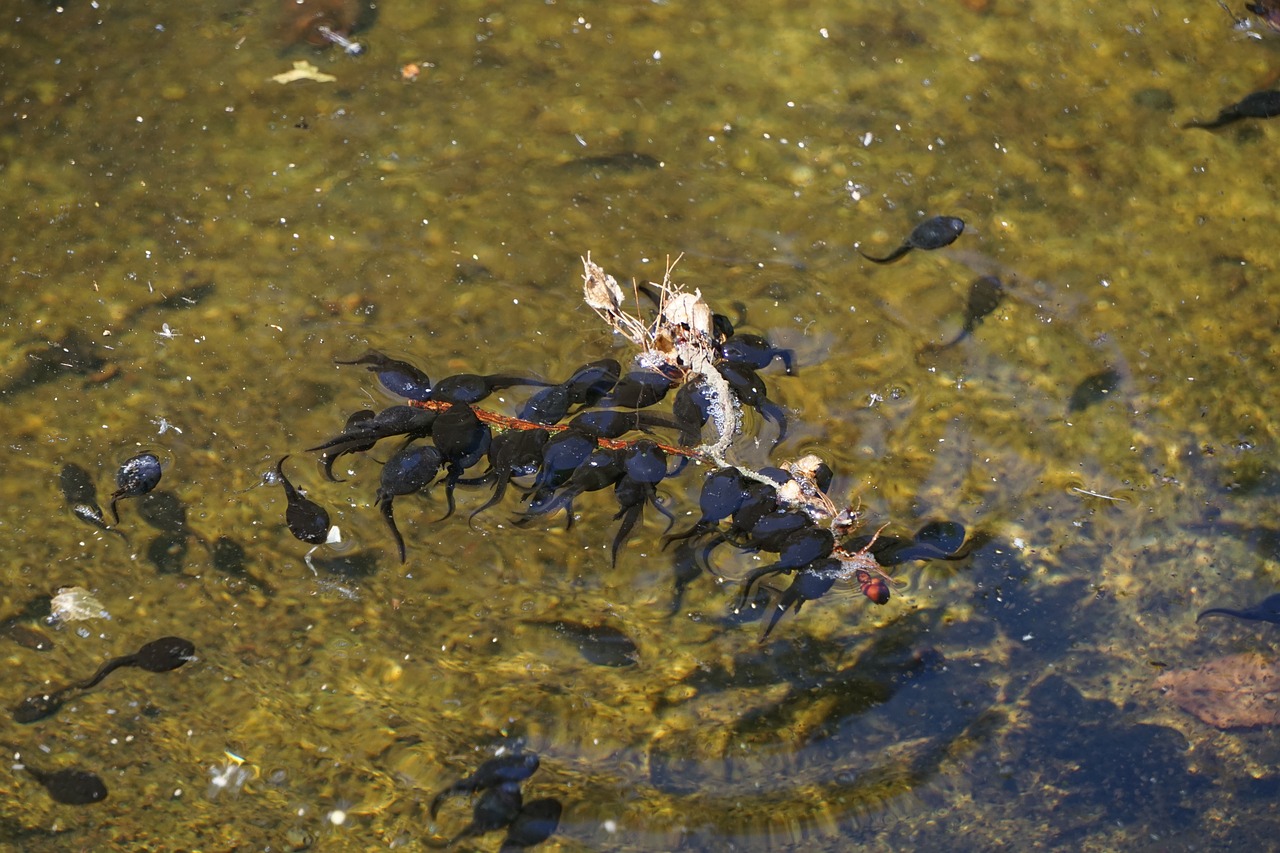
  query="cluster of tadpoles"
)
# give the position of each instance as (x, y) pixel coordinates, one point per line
(501, 805)
(596, 430)
(74, 786)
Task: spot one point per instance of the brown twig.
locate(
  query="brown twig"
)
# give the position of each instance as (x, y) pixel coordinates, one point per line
(507, 422)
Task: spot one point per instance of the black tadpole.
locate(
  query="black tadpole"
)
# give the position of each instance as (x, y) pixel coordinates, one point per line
(71, 787)
(602, 645)
(985, 295)
(1268, 610)
(756, 352)
(409, 470)
(307, 520)
(537, 822)
(496, 808)
(931, 234)
(399, 377)
(82, 497)
(162, 655)
(471, 388)
(813, 581)
(1092, 389)
(512, 453)
(1264, 104)
(511, 768)
(364, 430)
(136, 477)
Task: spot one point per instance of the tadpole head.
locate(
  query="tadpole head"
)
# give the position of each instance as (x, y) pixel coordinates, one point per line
(645, 462)
(165, 654)
(37, 707)
(72, 787)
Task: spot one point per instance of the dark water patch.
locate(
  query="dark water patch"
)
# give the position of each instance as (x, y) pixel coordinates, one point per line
(1080, 760)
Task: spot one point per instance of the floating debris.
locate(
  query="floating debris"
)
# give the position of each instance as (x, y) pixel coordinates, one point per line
(75, 604)
(303, 70)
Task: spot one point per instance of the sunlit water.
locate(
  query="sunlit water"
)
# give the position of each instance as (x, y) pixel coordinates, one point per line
(1006, 701)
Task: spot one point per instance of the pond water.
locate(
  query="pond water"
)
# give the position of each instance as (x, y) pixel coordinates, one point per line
(190, 245)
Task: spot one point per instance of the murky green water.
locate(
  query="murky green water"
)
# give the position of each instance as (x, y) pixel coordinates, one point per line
(146, 152)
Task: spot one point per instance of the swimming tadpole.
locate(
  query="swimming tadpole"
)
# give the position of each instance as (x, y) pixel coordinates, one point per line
(934, 233)
(306, 519)
(1267, 610)
(137, 476)
(1264, 104)
(602, 645)
(1093, 389)
(162, 655)
(71, 787)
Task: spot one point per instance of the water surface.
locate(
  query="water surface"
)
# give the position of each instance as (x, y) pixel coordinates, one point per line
(1006, 700)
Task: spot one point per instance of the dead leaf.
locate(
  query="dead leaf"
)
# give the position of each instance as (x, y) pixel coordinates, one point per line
(1236, 691)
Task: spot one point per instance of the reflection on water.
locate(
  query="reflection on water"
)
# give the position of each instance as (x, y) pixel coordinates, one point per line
(192, 245)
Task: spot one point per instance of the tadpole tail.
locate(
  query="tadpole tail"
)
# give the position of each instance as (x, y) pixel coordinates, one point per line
(1220, 611)
(629, 516)
(889, 258)
(1221, 121)
(498, 491)
(778, 610)
(103, 671)
(773, 412)
(386, 505)
(771, 569)
(697, 529)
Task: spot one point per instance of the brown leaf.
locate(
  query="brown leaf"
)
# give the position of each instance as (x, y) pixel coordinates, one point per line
(1236, 691)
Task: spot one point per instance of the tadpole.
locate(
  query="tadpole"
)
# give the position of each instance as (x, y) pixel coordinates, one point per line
(511, 768)
(602, 645)
(537, 822)
(1264, 104)
(1267, 610)
(137, 476)
(399, 377)
(933, 233)
(306, 519)
(1092, 389)
(162, 655)
(71, 787)
(985, 295)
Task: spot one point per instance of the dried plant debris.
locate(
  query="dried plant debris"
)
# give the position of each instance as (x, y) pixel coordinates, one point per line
(75, 604)
(303, 70)
(1232, 692)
